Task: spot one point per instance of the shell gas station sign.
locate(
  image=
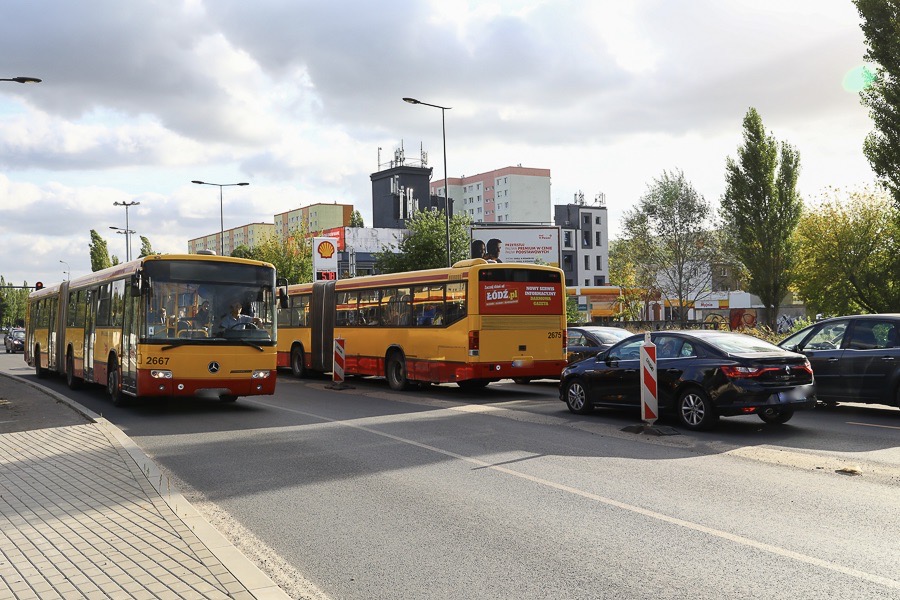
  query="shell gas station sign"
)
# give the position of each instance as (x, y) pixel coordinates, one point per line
(325, 258)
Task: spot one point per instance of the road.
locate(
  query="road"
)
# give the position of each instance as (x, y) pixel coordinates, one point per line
(503, 493)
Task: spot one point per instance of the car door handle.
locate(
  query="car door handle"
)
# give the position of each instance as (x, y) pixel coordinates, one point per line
(673, 371)
(629, 371)
(832, 359)
(887, 358)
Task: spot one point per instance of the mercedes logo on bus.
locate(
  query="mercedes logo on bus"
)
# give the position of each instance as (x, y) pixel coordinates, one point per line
(213, 367)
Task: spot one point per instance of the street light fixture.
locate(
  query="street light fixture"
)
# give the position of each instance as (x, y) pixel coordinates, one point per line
(221, 209)
(23, 79)
(446, 188)
(127, 229)
(68, 270)
(127, 233)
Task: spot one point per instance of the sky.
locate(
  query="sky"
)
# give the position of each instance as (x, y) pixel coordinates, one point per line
(296, 97)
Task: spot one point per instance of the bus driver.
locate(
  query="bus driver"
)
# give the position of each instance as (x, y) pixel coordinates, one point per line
(235, 318)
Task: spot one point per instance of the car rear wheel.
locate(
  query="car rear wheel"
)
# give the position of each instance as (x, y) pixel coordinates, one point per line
(695, 411)
(776, 416)
(577, 399)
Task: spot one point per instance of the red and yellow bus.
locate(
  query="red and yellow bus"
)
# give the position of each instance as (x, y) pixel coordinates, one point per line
(470, 324)
(153, 327)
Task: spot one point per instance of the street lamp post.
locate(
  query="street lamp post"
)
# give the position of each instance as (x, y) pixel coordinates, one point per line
(221, 209)
(68, 270)
(127, 230)
(446, 188)
(127, 233)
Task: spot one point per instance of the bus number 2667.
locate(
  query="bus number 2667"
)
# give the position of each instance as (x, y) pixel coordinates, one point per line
(157, 360)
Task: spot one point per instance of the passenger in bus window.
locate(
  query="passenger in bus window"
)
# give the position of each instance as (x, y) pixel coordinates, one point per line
(157, 315)
(202, 318)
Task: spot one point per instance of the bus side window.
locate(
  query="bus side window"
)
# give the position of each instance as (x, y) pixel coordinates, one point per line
(456, 303)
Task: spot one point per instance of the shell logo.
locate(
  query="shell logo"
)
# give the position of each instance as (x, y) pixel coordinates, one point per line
(326, 249)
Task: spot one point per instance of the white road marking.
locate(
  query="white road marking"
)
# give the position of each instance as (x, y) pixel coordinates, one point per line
(872, 425)
(738, 539)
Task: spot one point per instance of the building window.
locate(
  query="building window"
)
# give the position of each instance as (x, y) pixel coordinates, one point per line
(587, 282)
(597, 220)
(567, 239)
(586, 219)
(599, 263)
(585, 239)
(567, 262)
(598, 239)
(587, 262)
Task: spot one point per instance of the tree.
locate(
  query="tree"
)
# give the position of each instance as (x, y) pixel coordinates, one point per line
(146, 249)
(12, 303)
(242, 251)
(881, 27)
(849, 255)
(99, 253)
(573, 315)
(623, 274)
(425, 247)
(760, 210)
(671, 246)
(291, 255)
(356, 219)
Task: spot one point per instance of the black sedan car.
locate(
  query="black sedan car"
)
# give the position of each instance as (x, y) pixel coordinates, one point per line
(854, 358)
(589, 340)
(701, 375)
(15, 340)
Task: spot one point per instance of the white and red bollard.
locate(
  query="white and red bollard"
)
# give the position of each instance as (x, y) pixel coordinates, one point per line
(649, 392)
(337, 369)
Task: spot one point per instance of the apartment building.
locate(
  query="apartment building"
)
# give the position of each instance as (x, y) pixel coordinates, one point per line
(245, 235)
(313, 218)
(584, 244)
(511, 194)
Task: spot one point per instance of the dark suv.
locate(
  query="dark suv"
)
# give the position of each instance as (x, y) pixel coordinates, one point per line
(854, 358)
(15, 340)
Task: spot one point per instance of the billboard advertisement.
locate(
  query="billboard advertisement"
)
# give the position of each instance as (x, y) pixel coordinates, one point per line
(516, 244)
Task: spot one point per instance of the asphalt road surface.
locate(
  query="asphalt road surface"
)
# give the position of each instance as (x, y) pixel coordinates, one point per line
(502, 493)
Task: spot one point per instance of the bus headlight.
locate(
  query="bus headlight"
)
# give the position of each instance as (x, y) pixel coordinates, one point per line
(160, 374)
(261, 374)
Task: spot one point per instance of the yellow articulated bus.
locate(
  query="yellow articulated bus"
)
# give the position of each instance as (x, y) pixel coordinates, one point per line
(164, 325)
(471, 324)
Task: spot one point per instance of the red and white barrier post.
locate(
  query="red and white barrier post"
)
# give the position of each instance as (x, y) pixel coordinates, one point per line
(649, 397)
(337, 369)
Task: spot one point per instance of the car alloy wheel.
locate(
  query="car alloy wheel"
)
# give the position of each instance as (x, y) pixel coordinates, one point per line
(695, 411)
(576, 398)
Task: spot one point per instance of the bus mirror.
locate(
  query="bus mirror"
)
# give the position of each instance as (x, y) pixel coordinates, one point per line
(281, 282)
(135, 285)
(283, 297)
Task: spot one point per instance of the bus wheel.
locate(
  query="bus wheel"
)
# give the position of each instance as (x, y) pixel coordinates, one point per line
(73, 382)
(114, 386)
(396, 372)
(38, 371)
(298, 367)
(473, 384)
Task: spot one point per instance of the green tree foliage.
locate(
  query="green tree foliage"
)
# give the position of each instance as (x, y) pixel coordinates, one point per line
(146, 248)
(99, 253)
(760, 210)
(12, 303)
(849, 254)
(623, 274)
(292, 256)
(667, 237)
(426, 245)
(242, 251)
(572, 313)
(881, 27)
(356, 219)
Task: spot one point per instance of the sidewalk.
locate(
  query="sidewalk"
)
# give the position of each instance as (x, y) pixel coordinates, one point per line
(85, 514)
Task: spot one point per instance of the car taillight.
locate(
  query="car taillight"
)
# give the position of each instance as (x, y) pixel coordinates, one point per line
(734, 372)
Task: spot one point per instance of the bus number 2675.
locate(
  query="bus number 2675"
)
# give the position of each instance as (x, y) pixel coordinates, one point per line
(554, 335)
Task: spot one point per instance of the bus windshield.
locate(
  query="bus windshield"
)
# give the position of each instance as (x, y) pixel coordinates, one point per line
(193, 300)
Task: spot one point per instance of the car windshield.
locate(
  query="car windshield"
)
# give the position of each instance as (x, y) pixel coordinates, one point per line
(736, 343)
(17, 335)
(202, 301)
